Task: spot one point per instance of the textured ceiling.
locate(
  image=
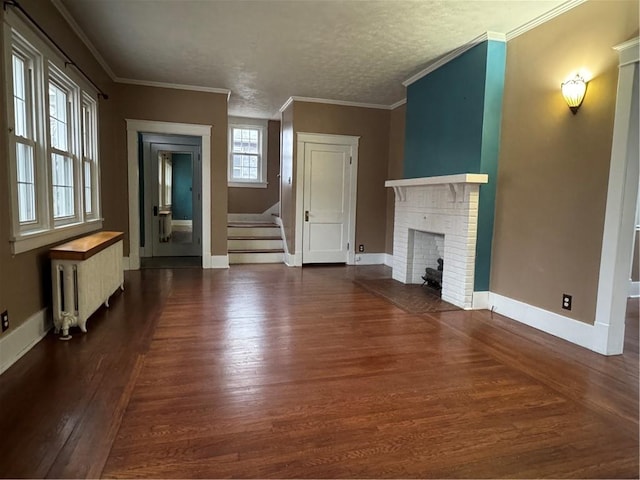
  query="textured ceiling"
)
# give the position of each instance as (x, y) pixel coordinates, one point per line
(265, 51)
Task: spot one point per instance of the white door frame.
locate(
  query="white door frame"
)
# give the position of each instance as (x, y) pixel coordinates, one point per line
(135, 127)
(349, 140)
(622, 195)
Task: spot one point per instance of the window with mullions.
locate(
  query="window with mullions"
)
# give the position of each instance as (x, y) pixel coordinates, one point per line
(247, 163)
(61, 104)
(53, 165)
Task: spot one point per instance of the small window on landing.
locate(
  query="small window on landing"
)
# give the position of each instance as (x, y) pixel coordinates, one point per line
(247, 153)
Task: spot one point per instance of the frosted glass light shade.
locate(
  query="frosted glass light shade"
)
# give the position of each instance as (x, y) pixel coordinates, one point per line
(573, 92)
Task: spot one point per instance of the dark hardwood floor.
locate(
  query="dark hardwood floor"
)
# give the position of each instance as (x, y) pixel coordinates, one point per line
(275, 372)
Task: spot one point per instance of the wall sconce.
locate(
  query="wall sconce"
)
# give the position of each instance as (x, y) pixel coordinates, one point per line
(573, 92)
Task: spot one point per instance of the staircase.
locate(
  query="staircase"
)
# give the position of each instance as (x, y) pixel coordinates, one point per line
(254, 242)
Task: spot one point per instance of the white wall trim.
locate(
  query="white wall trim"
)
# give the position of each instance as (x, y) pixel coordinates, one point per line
(634, 289)
(175, 86)
(20, 340)
(125, 263)
(290, 260)
(301, 139)
(550, 15)
(388, 259)
(566, 328)
(370, 258)
(215, 261)
(399, 103)
(147, 126)
(620, 212)
(80, 33)
(344, 103)
(500, 37)
(480, 301)
(286, 104)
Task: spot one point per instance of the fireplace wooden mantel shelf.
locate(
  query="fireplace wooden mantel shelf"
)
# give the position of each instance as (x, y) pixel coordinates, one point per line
(456, 184)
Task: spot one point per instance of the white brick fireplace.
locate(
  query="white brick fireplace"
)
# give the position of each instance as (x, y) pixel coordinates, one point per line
(445, 205)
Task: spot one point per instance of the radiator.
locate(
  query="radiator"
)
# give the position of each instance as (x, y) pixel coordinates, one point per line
(85, 273)
(165, 225)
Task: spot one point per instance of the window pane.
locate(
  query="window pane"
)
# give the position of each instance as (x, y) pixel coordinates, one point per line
(87, 188)
(20, 96)
(62, 182)
(246, 140)
(26, 183)
(58, 117)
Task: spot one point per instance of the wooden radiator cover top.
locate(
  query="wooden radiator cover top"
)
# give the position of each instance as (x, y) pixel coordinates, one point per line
(85, 247)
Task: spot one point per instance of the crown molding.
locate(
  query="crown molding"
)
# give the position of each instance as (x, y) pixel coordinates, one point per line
(83, 37)
(286, 104)
(629, 51)
(175, 86)
(551, 14)
(343, 103)
(399, 103)
(496, 36)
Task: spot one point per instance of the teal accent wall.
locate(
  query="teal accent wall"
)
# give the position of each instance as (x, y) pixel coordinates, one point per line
(453, 126)
(181, 189)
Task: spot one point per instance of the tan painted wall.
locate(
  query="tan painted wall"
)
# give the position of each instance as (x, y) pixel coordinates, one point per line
(25, 283)
(553, 167)
(395, 167)
(287, 174)
(258, 200)
(169, 105)
(372, 126)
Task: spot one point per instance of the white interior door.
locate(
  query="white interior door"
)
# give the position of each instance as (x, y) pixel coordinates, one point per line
(327, 180)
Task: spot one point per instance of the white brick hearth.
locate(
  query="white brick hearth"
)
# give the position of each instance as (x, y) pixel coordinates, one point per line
(446, 205)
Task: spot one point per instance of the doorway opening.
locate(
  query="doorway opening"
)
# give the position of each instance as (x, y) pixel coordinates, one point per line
(171, 197)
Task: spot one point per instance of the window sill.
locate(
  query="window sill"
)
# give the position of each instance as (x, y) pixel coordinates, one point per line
(247, 184)
(31, 241)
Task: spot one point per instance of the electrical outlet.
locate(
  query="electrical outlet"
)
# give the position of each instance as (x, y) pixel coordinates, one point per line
(4, 317)
(361, 248)
(566, 301)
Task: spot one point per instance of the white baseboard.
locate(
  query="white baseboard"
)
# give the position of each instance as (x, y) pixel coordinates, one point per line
(290, 260)
(215, 261)
(370, 258)
(566, 328)
(388, 259)
(126, 265)
(634, 289)
(480, 301)
(182, 223)
(273, 210)
(20, 340)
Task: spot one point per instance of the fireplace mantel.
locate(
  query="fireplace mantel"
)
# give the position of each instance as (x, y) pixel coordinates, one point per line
(456, 183)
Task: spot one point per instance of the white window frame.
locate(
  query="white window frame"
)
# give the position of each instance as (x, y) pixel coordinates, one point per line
(46, 65)
(262, 127)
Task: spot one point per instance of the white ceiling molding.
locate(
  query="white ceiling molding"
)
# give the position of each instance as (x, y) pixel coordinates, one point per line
(176, 86)
(499, 37)
(629, 52)
(340, 102)
(80, 33)
(551, 14)
(343, 103)
(399, 103)
(286, 104)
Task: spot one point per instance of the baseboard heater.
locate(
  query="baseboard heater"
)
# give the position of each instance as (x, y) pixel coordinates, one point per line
(85, 273)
